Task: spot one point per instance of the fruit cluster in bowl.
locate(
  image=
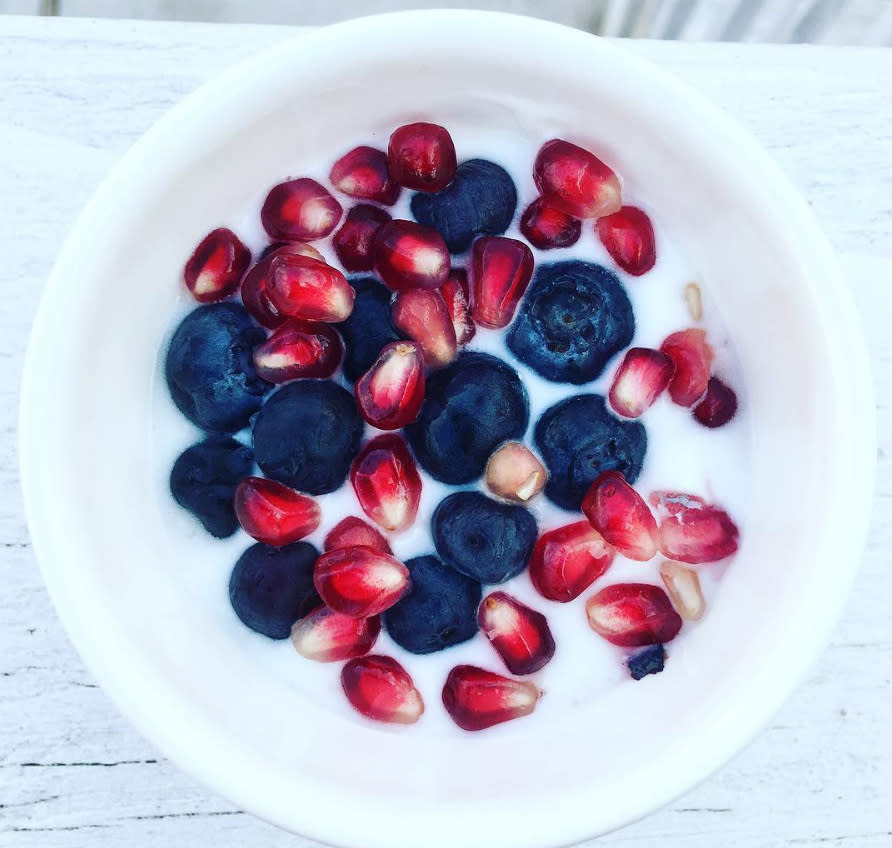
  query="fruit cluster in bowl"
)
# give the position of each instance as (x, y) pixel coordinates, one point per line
(415, 372)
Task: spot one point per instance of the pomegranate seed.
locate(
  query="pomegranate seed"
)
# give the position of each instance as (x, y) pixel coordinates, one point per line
(547, 227)
(694, 301)
(621, 516)
(387, 483)
(520, 635)
(692, 530)
(683, 586)
(299, 349)
(362, 173)
(409, 256)
(301, 287)
(692, 356)
(500, 273)
(328, 636)
(421, 314)
(390, 393)
(215, 268)
(719, 404)
(360, 581)
(628, 236)
(633, 614)
(457, 295)
(421, 157)
(254, 293)
(381, 689)
(354, 243)
(642, 377)
(477, 699)
(515, 473)
(352, 532)
(576, 181)
(566, 561)
(273, 513)
(299, 210)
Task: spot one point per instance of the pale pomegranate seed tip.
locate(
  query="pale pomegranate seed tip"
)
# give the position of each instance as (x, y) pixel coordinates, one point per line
(683, 586)
(515, 473)
(640, 379)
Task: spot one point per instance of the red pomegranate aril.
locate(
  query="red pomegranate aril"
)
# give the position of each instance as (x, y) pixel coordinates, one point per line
(576, 181)
(477, 699)
(301, 287)
(360, 581)
(520, 635)
(692, 357)
(273, 513)
(421, 314)
(381, 689)
(362, 173)
(354, 243)
(390, 393)
(216, 266)
(566, 561)
(351, 532)
(693, 531)
(299, 349)
(501, 269)
(457, 295)
(642, 377)
(387, 483)
(547, 227)
(254, 294)
(299, 210)
(328, 636)
(410, 256)
(629, 238)
(421, 156)
(633, 614)
(719, 404)
(621, 516)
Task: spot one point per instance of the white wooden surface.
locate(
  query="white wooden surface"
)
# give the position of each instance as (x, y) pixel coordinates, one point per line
(73, 95)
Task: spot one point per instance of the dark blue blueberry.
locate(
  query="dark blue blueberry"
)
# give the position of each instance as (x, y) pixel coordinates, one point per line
(470, 408)
(438, 612)
(480, 537)
(271, 588)
(578, 439)
(480, 200)
(574, 318)
(307, 434)
(648, 661)
(203, 480)
(210, 367)
(368, 328)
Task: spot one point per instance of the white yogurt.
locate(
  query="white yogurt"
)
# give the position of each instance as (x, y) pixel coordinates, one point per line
(681, 455)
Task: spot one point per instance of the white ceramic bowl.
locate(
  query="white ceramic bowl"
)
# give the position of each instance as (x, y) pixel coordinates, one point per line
(179, 670)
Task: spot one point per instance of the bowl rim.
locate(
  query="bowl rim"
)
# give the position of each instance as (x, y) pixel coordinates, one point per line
(313, 818)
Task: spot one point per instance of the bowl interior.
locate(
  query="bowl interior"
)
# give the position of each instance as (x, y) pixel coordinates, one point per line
(176, 665)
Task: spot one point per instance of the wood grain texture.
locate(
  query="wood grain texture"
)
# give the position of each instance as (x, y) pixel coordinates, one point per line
(72, 771)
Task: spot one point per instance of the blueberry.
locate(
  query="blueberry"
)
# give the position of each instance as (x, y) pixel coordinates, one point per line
(480, 537)
(203, 480)
(271, 588)
(307, 434)
(438, 612)
(578, 439)
(574, 318)
(210, 367)
(470, 408)
(480, 200)
(368, 328)
(649, 661)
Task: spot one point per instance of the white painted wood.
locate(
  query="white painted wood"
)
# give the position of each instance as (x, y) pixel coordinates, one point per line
(76, 93)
